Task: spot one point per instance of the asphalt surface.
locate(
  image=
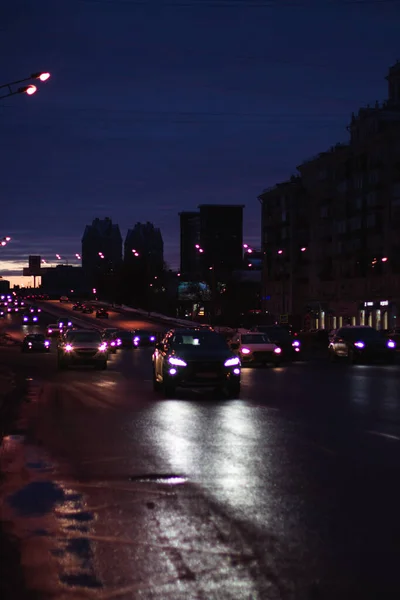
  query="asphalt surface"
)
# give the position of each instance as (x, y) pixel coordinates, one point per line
(290, 491)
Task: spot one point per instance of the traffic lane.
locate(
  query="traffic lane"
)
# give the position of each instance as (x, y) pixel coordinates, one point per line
(116, 319)
(289, 499)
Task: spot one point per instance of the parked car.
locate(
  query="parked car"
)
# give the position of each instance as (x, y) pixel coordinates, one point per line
(64, 299)
(101, 313)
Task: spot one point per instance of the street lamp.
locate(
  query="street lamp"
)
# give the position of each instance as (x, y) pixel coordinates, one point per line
(26, 89)
(78, 256)
(58, 257)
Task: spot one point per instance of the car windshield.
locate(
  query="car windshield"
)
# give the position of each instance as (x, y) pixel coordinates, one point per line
(278, 333)
(125, 335)
(84, 336)
(38, 337)
(54, 326)
(255, 338)
(202, 339)
(360, 333)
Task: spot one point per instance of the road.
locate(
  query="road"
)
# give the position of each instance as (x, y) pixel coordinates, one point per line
(290, 491)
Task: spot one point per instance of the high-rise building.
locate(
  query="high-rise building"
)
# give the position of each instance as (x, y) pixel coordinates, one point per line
(144, 244)
(221, 237)
(331, 236)
(190, 236)
(101, 247)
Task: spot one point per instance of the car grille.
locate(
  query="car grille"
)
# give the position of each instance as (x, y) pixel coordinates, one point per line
(86, 353)
(201, 368)
(262, 355)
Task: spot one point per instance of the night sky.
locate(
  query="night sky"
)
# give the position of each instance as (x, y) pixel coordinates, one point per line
(154, 107)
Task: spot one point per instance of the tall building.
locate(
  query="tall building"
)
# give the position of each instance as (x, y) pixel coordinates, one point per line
(221, 237)
(190, 236)
(331, 237)
(101, 247)
(144, 244)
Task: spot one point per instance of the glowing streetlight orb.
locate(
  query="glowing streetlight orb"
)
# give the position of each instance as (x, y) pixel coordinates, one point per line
(385, 259)
(44, 76)
(4, 243)
(303, 249)
(31, 89)
(8, 239)
(58, 257)
(280, 251)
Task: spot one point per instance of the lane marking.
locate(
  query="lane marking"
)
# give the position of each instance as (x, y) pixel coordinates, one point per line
(389, 436)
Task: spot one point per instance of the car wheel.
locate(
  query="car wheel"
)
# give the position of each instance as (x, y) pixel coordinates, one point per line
(233, 389)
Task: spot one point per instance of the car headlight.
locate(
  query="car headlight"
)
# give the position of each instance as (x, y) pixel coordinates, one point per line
(178, 362)
(391, 344)
(50, 330)
(152, 339)
(136, 339)
(278, 350)
(103, 347)
(119, 342)
(30, 344)
(232, 362)
(296, 344)
(47, 343)
(25, 319)
(68, 348)
(359, 344)
(245, 351)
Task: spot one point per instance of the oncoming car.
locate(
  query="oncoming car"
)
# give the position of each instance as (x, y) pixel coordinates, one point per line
(144, 338)
(256, 348)
(53, 330)
(194, 358)
(361, 344)
(30, 318)
(82, 347)
(35, 342)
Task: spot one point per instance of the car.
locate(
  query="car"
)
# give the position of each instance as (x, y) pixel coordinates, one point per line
(195, 358)
(82, 347)
(87, 309)
(53, 330)
(112, 340)
(77, 306)
(64, 299)
(101, 313)
(35, 342)
(256, 348)
(360, 344)
(64, 323)
(281, 336)
(126, 338)
(35, 310)
(141, 337)
(30, 318)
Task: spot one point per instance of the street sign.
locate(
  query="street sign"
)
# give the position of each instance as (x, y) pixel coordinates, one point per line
(284, 319)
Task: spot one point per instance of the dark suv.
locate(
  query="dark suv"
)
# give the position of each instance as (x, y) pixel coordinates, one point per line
(195, 358)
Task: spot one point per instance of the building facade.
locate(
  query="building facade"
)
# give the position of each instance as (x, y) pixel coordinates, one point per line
(189, 237)
(144, 245)
(331, 237)
(221, 237)
(101, 248)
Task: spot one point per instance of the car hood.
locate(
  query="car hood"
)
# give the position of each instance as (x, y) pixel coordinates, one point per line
(83, 345)
(209, 354)
(260, 347)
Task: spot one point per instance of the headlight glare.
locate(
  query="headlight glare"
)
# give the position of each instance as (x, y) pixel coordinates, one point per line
(177, 362)
(68, 348)
(232, 362)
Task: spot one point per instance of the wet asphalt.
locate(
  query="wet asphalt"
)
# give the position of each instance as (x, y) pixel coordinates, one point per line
(289, 491)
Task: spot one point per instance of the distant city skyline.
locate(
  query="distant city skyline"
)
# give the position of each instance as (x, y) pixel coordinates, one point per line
(141, 120)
